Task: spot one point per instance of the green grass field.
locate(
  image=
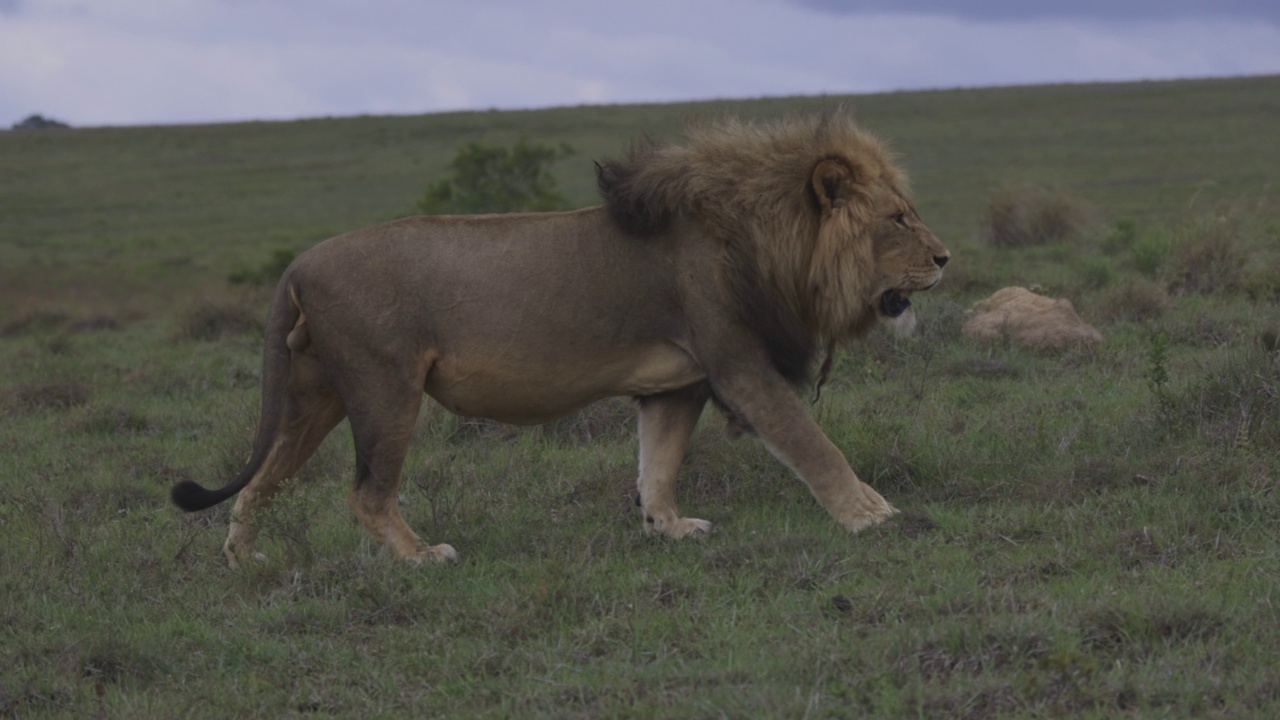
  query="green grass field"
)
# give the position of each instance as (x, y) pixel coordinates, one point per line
(1085, 533)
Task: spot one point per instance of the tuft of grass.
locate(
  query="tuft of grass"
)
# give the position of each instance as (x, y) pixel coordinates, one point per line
(1122, 236)
(1025, 215)
(1235, 402)
(1150, 253)
(1137, 299)
(116, 420)
(1210, 253)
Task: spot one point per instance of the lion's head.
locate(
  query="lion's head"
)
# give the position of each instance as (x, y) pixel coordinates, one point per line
(819, 235)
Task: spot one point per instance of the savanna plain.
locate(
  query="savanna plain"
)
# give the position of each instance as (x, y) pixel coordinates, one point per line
(1086, 532)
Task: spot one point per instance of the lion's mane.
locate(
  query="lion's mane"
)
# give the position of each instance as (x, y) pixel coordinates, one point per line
(801, 275)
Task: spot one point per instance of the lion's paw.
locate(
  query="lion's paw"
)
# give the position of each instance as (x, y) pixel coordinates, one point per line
(874, 517)
(242, 555)
(434, 554)
(680, 527)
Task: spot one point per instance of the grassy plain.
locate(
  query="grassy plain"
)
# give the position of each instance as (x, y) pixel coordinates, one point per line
(1086, 533)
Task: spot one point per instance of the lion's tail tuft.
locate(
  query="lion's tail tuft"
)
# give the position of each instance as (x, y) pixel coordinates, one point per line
(191, 496)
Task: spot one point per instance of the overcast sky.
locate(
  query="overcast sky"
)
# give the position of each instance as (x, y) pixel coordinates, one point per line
(130, 62)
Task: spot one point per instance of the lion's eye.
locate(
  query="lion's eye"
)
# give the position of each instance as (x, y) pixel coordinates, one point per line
(901, 219)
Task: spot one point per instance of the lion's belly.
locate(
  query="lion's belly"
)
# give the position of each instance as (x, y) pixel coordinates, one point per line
(528, 391)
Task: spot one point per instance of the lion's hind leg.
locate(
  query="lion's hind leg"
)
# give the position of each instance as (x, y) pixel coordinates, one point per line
(382, 420)
(311, 410)
(666, 423)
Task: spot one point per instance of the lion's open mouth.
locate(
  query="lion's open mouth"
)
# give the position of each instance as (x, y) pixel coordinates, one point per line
(894, 302)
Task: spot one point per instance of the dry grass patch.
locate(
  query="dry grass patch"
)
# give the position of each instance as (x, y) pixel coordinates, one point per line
(1138, 299)
(1210, 254)
(1028, 215)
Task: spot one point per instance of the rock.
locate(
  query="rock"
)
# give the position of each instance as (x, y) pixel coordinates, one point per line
(1030, 320)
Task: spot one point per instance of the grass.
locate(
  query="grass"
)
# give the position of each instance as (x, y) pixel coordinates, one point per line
(1084, 533)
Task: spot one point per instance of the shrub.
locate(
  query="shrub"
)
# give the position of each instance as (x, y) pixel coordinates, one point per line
(1121, 238)
(492, 179)
(1095, 272)
(1149, 253)
(1030, 215)
(268, 273)
(1137, 300)
(1209, 254)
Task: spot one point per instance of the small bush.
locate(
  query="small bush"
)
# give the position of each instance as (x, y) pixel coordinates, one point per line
(1030, 215)
(268, 273)
(1096, 272)
(1122, 236)
(1136, 300)
(495, 179)
(1149, 254)
(1263, 283)
(1209, 254)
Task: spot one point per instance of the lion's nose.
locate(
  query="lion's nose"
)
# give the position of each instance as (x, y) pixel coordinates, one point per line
(941, 260)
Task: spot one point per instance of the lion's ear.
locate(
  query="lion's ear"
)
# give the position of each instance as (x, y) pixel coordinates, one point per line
(833, 183)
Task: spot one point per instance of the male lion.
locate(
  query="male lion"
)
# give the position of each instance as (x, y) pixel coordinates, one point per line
(718, 269)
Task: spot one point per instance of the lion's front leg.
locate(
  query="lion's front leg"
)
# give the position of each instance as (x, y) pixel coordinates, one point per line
(784, 424)
(666, 423)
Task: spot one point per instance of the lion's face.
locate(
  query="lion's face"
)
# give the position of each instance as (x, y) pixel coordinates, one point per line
(908, 257)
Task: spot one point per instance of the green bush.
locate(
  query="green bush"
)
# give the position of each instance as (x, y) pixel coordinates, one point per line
(268, 273)
(1149, 254)
(494, 179)
(1122, 236)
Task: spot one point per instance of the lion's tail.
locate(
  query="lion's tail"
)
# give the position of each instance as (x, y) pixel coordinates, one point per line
(190, 495)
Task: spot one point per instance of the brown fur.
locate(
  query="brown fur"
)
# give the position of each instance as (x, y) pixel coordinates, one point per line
(789, 259)
(717, 269)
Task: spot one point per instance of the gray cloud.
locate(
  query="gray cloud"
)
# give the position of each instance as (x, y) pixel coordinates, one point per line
(138, 61)
(10, 7)
(1091, 10)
